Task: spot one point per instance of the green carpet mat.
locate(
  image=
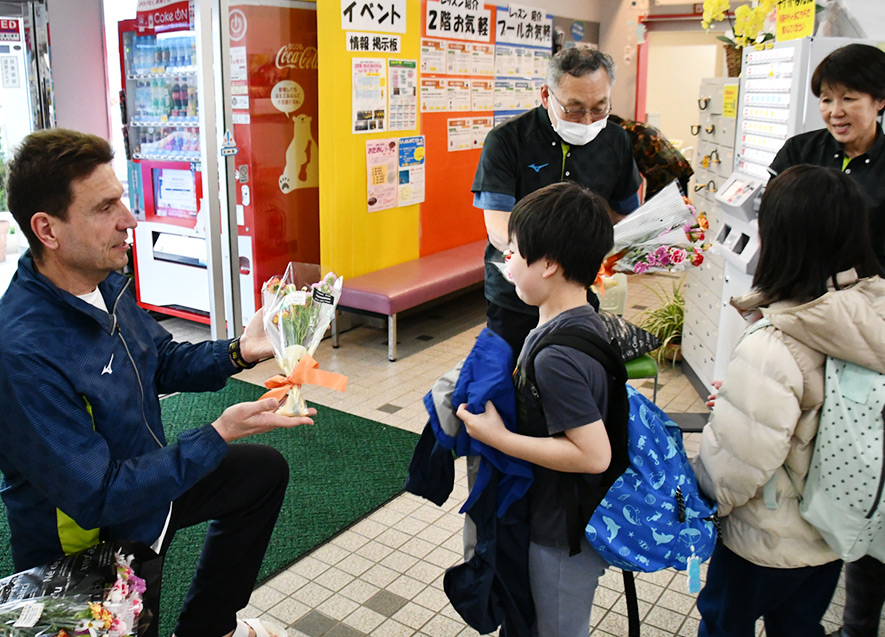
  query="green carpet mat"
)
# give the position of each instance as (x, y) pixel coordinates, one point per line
(342, 468)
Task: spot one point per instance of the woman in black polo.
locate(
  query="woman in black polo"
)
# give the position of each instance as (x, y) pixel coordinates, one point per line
(850, 83)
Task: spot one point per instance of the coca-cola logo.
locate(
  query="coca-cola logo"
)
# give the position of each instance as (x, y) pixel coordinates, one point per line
(297, 56)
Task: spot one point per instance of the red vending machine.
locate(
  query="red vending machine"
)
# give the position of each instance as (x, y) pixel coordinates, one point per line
(273, 85)
(273, 92)
(162, 130)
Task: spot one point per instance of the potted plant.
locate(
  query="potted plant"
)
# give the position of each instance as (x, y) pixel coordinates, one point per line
(665, 322)
(751, 24)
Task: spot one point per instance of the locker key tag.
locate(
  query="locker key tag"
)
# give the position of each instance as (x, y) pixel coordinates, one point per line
(693, 571)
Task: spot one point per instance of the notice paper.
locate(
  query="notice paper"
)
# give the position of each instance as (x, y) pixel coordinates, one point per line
(411, 170)
(403, 105)
(381, 174)
(369, 95)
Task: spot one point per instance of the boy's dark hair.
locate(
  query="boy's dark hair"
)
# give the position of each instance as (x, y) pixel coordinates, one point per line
(42, 172)
(565, 223)
(857, 67)
(813, 224)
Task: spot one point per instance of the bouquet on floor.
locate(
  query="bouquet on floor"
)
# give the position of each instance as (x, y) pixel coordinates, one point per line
(665, 233)
(296, 316)
(93, 592)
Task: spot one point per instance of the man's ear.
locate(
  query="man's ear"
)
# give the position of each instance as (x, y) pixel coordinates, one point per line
(550, 268)
(43, 226)
(545, 95)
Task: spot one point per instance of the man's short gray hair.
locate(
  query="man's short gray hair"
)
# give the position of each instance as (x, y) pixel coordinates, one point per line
(578, 61)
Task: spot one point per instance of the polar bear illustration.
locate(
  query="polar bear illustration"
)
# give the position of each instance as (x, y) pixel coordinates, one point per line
(302, 163)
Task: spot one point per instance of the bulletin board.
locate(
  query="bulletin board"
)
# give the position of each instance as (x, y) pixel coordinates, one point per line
(426, 83)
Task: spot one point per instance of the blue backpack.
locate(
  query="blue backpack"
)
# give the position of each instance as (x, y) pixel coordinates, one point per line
(653, 516)
(647, 513)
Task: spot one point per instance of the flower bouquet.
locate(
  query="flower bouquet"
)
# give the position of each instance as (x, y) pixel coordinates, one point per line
(94, 592)
(665, 233)
(296, 316)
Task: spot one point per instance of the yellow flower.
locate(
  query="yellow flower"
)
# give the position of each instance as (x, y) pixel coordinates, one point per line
(748, 23)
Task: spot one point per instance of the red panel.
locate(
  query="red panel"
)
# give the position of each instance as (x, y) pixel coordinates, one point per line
(278, 149)
(448, 218)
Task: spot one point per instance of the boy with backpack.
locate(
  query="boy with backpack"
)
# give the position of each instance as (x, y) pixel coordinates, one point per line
(559, 236)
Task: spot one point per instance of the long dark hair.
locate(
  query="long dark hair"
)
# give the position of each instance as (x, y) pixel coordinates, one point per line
(813, 224)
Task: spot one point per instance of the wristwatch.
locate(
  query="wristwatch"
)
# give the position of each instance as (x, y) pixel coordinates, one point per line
(236, 356)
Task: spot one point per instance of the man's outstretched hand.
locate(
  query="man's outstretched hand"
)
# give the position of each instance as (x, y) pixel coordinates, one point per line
(258, 417)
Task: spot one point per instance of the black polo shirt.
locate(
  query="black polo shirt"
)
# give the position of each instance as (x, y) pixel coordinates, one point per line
(819, 148)
(524, 154)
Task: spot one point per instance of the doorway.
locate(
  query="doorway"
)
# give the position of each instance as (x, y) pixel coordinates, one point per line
(677, 62)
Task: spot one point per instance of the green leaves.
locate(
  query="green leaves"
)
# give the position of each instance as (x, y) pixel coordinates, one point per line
(666, 321)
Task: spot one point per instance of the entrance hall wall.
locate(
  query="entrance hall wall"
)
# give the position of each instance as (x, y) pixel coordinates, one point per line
(354, 241)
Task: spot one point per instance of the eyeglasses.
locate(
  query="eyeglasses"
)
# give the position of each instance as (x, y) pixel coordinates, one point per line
(578, 114)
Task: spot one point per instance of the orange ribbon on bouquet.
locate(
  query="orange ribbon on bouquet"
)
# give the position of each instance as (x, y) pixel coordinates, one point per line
(306, 372)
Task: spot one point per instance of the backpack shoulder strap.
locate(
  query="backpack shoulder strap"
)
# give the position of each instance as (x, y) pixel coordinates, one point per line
(585, 341)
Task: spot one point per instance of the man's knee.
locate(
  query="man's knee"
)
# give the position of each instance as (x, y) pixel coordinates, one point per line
(265, 466)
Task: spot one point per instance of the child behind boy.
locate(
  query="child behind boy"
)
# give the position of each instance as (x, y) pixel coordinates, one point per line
(559, 236)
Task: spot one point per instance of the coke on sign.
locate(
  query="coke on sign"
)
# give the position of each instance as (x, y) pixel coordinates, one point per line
(297, 56)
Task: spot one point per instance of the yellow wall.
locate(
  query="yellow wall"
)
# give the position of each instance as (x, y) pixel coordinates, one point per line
(354, 241)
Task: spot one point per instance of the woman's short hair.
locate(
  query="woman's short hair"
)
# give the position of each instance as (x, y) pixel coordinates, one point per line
(566, 223)
(578, 61)
(813, 224)
(857, 67)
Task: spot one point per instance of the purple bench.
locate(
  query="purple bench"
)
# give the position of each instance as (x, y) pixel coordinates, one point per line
(391, 290)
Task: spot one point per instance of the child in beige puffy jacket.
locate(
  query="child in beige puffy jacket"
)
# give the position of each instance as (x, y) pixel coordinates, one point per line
(809, 285)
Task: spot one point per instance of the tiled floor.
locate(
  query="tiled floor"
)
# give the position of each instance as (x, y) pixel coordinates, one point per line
(383, 576)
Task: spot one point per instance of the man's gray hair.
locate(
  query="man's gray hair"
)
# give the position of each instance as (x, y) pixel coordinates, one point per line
(578, 61)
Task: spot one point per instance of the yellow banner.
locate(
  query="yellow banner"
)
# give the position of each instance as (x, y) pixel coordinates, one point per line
(795, 19)
(730, 100)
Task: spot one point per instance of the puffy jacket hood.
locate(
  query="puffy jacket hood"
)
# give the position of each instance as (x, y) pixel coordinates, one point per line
(846, 323)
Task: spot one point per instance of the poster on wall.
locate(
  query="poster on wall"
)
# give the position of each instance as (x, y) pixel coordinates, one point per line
(459, 94)
(433, 56)
(411, 170)
(482, 126)
(460, 134)
(459, 58)
(381, 174)
(434, 95)
(483, 59)
(369, 95)
(482, 95)
(403, 104)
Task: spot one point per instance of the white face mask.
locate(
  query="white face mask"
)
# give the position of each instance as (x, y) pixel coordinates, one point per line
(576, 133)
